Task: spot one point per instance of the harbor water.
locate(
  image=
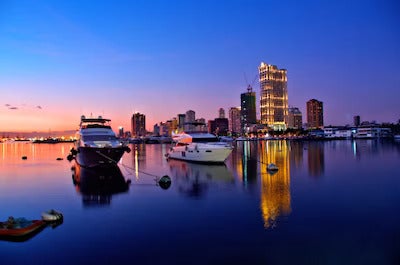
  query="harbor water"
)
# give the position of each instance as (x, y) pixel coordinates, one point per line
(330, 202)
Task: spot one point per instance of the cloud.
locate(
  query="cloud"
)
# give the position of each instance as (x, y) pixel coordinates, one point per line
(7, 105)
(38, 107)
(13, 108)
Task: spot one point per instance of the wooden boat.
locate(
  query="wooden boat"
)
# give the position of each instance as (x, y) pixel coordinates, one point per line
(20, 227)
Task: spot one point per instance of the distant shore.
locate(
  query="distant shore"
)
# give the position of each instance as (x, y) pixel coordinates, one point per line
(34, 134)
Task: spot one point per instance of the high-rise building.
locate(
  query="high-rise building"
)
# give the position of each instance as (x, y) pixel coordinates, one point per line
(295, 118)
(247, 109)
(221, 126)
(138, 124)
(221, 113)
(357, 120)
(200, 125)
(315, 114)
(156, 130)
(190, 118)
(273, 96)
(181, 121)
(234, 120)
(121, 131)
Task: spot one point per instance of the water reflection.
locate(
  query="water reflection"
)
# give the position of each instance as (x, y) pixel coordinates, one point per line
(193, 180)
(275, 189)
(97, 185)
(316, 158)
(138, 157)
(296, 154)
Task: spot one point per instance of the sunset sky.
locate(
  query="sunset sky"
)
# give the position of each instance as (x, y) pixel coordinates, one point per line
(62, 59)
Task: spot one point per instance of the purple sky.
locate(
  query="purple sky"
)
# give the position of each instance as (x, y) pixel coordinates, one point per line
(61, 59)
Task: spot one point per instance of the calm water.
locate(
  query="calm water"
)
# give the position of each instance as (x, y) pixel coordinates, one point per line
(334, 202)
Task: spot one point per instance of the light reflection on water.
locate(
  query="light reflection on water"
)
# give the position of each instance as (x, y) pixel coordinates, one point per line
(325, 196)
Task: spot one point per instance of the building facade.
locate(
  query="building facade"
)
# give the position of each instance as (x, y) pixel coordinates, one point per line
(181, 122)
(234, 120)
(315, 114)
(247, 109)
(357, 120)
(221, 113)
(295, 118)
(273, 96)
(138, 124)
(190, 117)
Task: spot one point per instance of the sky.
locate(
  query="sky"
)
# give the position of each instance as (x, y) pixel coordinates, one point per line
(63, 59)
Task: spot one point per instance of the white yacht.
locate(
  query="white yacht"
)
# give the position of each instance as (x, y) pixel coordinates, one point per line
(97, 144)
(199, 147)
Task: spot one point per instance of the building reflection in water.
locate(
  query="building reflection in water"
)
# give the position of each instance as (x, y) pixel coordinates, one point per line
(245, 163)
(296, 154)
(137, 158)
(365, 146)
(97, 185)
(275, 188)
(316, 158)
(194, 180)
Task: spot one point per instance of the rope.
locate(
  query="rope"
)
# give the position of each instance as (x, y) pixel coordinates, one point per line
(125, 166)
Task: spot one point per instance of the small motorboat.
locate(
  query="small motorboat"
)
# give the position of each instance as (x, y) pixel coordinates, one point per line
(272, 167)
(20, 227)
(52, 216)
(199, 147)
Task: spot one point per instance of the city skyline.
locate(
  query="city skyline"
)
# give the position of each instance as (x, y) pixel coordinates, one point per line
(62, 59)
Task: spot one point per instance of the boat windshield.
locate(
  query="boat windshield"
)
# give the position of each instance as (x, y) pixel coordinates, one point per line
(204, 139)
(99, 138)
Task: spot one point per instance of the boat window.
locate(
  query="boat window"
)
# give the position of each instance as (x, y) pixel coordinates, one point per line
(205, 140)
(99, 138)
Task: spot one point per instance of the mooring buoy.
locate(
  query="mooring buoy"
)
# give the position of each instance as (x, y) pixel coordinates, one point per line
(165, 182)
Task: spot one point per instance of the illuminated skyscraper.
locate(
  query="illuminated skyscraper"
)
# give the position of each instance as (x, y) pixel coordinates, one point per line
(315, 114)
(247, 109)
(273, 96)
(138, 123)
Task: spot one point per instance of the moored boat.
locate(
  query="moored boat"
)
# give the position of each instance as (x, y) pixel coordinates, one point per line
(97, 144)
(199, 147)
(20, 228)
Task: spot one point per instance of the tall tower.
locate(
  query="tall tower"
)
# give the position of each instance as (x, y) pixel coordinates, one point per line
(234, 120)
(181, 122)
(247, 108)
(357, 120)
(221, 113)
(315, 114)
(190, 117)
(273, 96)
(138, 124)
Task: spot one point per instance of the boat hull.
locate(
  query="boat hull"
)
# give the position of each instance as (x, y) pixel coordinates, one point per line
(22, 232)
(201, 153)
(95, 157)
